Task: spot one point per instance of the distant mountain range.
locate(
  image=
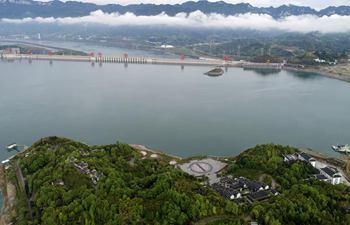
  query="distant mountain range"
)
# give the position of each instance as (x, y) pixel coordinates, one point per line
(29, 8)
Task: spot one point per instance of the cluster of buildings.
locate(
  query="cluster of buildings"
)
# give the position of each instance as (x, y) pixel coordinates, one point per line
(241, 189)
(323, 61)
(325, 172)
(83, 167)
(85, 152)
(14, 51)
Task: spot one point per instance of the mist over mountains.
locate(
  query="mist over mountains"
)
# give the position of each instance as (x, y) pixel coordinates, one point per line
(18, 9)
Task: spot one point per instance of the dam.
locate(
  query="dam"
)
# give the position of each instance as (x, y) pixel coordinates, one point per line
(116, 59)
(125, 59)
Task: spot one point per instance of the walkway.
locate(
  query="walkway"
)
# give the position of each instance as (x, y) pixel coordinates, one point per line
(21, 182)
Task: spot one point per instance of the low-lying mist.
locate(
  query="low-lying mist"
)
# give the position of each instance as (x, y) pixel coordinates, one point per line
(197, 19)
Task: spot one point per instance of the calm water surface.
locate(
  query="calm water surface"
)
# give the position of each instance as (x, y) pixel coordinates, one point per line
(178, 111)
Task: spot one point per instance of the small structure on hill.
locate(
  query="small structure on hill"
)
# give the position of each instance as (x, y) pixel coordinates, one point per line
(307, 158)
(83, 167)
(332, 174)
(258, 196)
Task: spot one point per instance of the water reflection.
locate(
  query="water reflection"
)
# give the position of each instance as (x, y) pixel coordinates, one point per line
(305, 75)
(264, 71)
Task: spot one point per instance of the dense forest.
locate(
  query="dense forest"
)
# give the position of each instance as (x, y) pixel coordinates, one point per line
(72, 183)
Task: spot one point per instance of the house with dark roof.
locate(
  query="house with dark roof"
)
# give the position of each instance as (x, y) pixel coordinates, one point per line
(255, 186)
(331, 173)
(290, 158)
(321, 177)
(239, 188)
(307, 158)
(229, 182)
(226, 192)
(258, 196)
(239, 201)
(274, 192)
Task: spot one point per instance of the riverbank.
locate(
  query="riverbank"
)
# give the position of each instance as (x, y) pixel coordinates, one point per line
(8, 191)
(330, 72)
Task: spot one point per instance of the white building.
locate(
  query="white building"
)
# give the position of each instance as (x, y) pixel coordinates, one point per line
(167, 46)
(320, 60)
(332, 174)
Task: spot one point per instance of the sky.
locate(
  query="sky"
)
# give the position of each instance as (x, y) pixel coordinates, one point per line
(318, 4)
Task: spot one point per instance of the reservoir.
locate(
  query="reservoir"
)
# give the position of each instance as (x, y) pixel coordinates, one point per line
(169, 108)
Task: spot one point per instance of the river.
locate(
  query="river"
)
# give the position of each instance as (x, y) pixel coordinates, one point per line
(181, 112)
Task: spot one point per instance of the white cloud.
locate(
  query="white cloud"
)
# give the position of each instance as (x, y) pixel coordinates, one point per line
(313, 3)
(263, 22)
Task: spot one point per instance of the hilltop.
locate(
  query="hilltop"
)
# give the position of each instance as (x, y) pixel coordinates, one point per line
(61, 181)
(29, 8)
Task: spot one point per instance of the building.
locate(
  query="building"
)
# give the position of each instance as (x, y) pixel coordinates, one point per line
(290, 158)
(321, 177)
(255, 186)
(319, 60)
(307, 158)
(237, 183)
(12, 51)
(258, 196)
(332, 174)
(227, 192)
(167, 46)
(274, 192)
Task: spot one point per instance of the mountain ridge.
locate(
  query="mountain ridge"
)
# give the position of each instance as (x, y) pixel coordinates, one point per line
(18, 9)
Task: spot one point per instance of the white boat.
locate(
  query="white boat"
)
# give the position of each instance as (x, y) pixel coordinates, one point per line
(5, 161)
(343, 149)
(11, 146)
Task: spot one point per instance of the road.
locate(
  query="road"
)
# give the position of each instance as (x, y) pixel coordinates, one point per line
(21, 182)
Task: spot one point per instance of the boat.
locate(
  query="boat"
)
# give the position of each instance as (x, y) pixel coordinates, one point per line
(11, 146)
(342, 149)
(217, 71)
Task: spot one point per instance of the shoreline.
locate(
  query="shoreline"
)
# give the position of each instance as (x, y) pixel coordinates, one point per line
(319, 72)
(8, 191)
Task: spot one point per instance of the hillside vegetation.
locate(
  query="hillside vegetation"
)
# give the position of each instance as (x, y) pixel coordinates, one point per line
(118, 185)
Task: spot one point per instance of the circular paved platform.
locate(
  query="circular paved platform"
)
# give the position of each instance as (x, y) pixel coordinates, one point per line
(200, 167)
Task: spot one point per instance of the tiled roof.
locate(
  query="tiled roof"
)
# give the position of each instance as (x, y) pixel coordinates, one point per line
(258, 196)
(320, 177)
(305, 156)
(329, 171)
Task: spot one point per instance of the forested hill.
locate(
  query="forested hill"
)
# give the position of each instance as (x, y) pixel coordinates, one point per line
(67, 182)
(30, 8)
